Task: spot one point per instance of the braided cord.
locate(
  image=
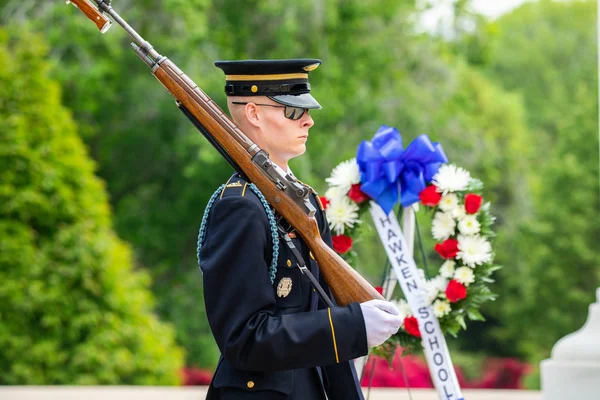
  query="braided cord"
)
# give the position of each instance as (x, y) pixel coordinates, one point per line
(274, 231)
(272, 224)
(202, 231)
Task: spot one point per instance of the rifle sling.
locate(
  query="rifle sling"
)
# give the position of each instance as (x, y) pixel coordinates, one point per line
(211, 140)
(302, 266)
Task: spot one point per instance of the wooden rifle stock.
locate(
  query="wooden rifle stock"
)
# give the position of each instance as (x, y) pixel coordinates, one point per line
(346, 284)
(92, 13)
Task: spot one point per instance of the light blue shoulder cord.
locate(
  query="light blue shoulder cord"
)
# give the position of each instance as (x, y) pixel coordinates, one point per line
(272, 223)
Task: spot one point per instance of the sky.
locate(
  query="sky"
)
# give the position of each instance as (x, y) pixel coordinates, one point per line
(495, 8)
(491, 8)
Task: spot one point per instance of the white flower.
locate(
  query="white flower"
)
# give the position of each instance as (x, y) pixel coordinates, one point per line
(451, 178)
(440, 283)
(335, 193)
(469, 225)
(459, 212)
(447, 269)
(443, 226)
(474, 250)
(431, 292)
(342, 213)
(434, 288)
(464, 275)
(403, 307)
(344, 175)
(441, 308)
(448, 202)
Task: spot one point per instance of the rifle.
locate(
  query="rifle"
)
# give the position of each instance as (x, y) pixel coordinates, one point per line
(288, 196)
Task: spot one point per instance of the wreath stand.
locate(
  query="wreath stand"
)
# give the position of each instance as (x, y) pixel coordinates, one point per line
(400, 248)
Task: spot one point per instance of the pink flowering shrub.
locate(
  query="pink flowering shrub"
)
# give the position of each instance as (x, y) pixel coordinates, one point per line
(504, 373)
(195, 376)
(498, 373)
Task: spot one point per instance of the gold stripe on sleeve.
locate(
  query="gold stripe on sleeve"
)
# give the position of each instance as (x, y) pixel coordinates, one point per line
(244, 190)
(337, 358)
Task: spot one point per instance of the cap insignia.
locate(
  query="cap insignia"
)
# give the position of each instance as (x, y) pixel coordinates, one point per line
(311, 67)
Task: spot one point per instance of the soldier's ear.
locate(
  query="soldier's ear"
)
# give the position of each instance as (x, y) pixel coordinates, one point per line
(252, 114)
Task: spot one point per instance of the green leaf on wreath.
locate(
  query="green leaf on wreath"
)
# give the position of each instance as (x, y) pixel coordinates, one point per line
(486, 208)
(494, 268)
(475, 185)
(461, 321)
(475, 315)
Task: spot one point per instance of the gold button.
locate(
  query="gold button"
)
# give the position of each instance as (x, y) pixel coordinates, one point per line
(250, 384)
(289, 263)
(254, 89)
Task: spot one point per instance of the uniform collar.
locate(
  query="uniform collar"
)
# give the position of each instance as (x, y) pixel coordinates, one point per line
(281, 170)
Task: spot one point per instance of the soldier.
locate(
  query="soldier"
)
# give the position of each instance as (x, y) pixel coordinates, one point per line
(278, 340)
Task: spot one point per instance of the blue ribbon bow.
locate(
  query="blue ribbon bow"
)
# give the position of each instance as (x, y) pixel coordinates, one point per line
(385, 166)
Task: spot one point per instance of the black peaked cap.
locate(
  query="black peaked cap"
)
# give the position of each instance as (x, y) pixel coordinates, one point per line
(283, 81)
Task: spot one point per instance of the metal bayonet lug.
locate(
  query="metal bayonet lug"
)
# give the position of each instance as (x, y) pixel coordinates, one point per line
(142, 55)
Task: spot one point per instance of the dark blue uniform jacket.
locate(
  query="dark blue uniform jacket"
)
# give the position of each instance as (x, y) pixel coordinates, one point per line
(286, 346)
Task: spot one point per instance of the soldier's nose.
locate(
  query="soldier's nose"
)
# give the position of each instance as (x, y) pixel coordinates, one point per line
(307, 120)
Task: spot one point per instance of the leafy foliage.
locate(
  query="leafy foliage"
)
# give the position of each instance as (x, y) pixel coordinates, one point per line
(555, 270)
(72, 309)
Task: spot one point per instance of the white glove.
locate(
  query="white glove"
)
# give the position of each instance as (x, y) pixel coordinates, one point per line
(382, 320)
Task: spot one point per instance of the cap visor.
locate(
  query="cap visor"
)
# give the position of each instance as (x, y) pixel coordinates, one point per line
(301, 100)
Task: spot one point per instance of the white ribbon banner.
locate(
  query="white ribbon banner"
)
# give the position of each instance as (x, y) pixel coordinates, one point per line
(413, 286)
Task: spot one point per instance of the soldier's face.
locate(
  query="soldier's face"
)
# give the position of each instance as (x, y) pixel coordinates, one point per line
(282, 137)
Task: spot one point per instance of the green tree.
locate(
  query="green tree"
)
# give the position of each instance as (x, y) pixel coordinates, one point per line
(546, 52)
(159, 171)
(72, 308)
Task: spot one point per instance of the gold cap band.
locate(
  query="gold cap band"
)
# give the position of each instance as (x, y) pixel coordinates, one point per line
(272, 77)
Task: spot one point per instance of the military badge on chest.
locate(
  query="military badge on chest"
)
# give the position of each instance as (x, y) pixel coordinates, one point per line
(284, 287)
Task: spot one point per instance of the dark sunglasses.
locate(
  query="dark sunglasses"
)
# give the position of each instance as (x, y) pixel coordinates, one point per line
(293, 113)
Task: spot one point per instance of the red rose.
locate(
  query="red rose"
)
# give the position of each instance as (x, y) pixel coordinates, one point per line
(379, 289)
(455, 291)
(430, 196)
(357, 195)
(448, 249)
(473, 203)
(324, 202)
(341, 243)
(411, 326)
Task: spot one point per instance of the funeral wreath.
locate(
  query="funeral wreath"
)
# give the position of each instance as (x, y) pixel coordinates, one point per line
(461, 223)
